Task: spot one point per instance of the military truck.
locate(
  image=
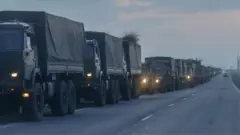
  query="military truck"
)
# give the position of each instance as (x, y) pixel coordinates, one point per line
(150, 79)
(116, 64)
(190, 73)
(194, 72)
(42, 61)
(104, 66)
(132, 55)
(162, 73)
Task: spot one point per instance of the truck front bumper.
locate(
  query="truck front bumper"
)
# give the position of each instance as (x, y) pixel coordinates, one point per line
(89, 89)
(10, 100)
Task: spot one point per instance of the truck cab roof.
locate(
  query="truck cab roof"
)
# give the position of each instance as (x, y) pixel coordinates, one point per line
(17, 25)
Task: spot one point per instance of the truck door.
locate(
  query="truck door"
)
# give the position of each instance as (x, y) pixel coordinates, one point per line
(92, 62)
(97, 60)
(29, 56)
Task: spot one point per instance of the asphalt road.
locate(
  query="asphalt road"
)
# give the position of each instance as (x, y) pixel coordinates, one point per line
(212, 108)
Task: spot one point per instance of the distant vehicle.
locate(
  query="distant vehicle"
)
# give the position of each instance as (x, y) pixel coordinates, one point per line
(225, 74)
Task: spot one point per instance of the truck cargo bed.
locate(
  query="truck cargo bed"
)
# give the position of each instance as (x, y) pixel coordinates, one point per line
(111, 51)
(133, 54)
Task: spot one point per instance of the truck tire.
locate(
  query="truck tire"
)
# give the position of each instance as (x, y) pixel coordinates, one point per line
(72, 98)
(126, 90)
(113, 95)
(118, 96)
(100, 95)
(59, 104)
(134, 91)
(33, 107)
(111, 98)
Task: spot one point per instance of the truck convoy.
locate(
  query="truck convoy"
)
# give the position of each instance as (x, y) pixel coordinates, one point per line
(47, 59)
(164, 74)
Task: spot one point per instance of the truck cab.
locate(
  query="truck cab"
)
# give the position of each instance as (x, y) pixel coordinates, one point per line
(94, 82)
(92, 60)
(150, 80)
(18, 55)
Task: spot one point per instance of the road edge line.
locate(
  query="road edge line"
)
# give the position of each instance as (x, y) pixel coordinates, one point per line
(147, 117)
(234, 86)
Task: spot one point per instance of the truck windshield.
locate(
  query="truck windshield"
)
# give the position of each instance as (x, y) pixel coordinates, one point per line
(10, 39)
(90, 51)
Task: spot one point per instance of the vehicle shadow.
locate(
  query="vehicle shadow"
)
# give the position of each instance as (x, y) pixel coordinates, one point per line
(7, 119)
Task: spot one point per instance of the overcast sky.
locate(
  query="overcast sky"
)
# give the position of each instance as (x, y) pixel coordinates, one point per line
(206, 29)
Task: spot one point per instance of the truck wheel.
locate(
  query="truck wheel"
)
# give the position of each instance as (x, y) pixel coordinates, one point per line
(111, 93)
(118, 96)
(134, 91)
(100, 95)
(72, 98)
(33, 107)
(127, 90)
(59, 103)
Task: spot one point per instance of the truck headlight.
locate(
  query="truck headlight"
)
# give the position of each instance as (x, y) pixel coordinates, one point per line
(89, 74)
(14, 74)
(144, 80)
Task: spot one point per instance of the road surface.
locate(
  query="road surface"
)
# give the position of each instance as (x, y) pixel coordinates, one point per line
(212, 108)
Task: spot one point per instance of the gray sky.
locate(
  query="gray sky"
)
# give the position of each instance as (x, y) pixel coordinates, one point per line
(206, 29)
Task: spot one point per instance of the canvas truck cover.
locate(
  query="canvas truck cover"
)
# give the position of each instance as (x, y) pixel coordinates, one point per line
(111, 51)
(191, 66)
(60, 41)
(133, 56)
(179, 67)
(161, 64)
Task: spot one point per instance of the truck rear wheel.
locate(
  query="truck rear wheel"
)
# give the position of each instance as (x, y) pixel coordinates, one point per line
(100, 95)
(72, 98)
(126, 90)
(33, 106)
(118, 96)
(134, 88)
(112, 93)
(59, 104)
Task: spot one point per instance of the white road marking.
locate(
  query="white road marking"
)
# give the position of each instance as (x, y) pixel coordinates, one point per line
(184, 98)
(78, 110)
(235, 87)
(10, 125)
(147, 117)
(171, 105)
(5, 126)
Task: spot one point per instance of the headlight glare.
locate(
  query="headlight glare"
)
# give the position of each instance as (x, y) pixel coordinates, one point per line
(144, 80)
(14, 74)
(89, 74)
